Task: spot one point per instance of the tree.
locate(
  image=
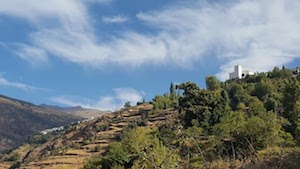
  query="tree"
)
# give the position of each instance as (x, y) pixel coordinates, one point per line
(127, 105)
(266, 130)
(93, 163)
(237, 94)
(162, 102)
(203, 105)
(291, 103)
(256, 107)
(159, 156)
(262, 90)
(172, 92)
(118, 154)
(274, 73)
(230, 124)
(138, 140)
(212, 83)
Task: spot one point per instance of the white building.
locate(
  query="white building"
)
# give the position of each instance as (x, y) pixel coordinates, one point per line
(239, 73)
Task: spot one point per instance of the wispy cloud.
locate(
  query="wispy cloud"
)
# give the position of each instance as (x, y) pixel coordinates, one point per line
(97, 1)
(109, 102)
(115, 19)
(256, 34)
(5, 83)
(32, 55)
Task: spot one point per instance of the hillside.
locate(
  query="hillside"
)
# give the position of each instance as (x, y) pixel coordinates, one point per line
(20, 119)
(80, 142)
(253, 122)
(77, 111)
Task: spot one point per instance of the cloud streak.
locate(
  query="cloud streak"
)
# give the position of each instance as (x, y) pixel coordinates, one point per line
(110, 102)
(32, 54)
(5, 83)
(253, 33)
(115, 19)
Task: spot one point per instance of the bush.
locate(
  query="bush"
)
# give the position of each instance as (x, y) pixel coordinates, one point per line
(86, 142)
(97, 148)
(13, 157)
(93, 163)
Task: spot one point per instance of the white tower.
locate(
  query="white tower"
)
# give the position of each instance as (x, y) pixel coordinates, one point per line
(239, 71)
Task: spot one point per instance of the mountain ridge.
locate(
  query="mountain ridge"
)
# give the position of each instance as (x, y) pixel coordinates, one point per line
(20, 119)
(77, 110)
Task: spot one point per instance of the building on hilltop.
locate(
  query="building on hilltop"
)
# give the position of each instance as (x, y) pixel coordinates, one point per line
(239, 73)
(296, 71)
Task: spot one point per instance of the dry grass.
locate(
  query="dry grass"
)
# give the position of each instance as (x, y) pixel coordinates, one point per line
(5, 165)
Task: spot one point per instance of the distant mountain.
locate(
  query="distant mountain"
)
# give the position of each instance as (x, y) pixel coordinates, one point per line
(64, 109)
(77, 110)
(20, 119)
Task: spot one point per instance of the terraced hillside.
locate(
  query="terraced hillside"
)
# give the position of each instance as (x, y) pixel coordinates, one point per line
(90, 138)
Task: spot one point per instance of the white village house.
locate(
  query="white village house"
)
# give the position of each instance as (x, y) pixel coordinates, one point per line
(239, 73)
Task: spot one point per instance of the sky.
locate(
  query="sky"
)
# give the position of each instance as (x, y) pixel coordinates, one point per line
(102, 53)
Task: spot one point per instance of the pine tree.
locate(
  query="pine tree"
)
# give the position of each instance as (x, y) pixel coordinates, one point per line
(172, 92)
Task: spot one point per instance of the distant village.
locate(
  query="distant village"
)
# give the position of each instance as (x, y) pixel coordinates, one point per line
(60, 128)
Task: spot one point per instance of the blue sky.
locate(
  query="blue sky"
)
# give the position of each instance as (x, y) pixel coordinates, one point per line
(103, 53)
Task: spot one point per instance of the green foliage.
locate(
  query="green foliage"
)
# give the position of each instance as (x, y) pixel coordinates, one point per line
(162, 102)
(13, 157)
(86, 142)
(283, 73)
(230, 124)
(168, 100)
(264, 131)
(255, 106)
(127, 105)
(138, 147)
(291, 106)
(230, 121)
(212, 83)
(93, 163)
(172, 92)
(39, 139)
(277, 158)
(159, 157)
(203, 105)
(117, 166)
(117, 154)
(97, 148)
(262, 90)
(137, 140)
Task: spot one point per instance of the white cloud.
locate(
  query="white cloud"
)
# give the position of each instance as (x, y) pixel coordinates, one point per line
(97, 1)
(68, 12)
(109, 102)
(115, 19)
(256, 34)
(31, 54)
(5, 83)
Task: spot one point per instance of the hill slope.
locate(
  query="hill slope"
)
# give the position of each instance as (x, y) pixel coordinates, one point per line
(79, 142)
(20, 119)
